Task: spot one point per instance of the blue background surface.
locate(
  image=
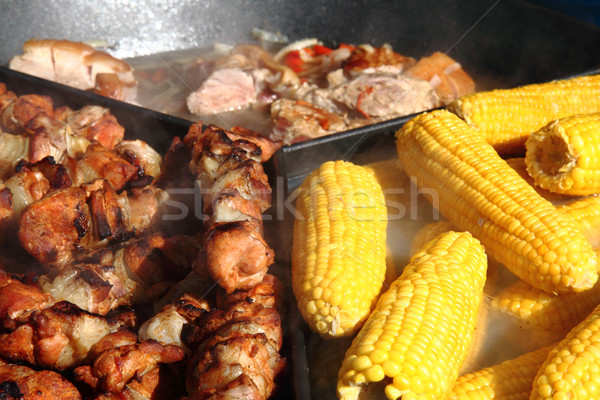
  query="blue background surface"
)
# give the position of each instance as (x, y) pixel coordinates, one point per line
(588, 11)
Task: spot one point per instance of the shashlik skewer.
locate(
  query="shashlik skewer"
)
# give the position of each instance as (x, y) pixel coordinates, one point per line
(228, 168)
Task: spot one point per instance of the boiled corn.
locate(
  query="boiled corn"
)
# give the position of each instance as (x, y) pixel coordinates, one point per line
(421, 329)
(572, 368)
(478, 192)
(509, 380)
(506, 117)
(562, 156)
(339, 247)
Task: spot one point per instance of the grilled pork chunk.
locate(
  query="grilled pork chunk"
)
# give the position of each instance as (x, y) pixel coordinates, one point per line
(24, 383)
(57, 337)
(68, 221)
(118, 358)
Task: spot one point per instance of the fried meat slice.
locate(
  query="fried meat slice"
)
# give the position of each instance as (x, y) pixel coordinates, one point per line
(24, 383)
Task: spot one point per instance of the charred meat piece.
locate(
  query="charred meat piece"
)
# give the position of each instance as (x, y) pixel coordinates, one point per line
(23, 383)
(66, 222)
(57, 337)
(19, 300)
(236, 254)
(99, 162)
(52, 227)
(50, 137)
(16, 112)
(250, 184)
(115, 365)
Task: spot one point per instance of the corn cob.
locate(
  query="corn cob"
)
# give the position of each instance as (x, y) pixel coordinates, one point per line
(478, 192)
(420, 331)
(539, 310)
(506, 117)
(561, 157)
(339, 247)
(509, 380)
(518, 164)
(586, 211)
(572, 368)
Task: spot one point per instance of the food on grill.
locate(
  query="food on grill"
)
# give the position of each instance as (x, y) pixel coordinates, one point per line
(419, 334)
(307, 90)
(477, 191)
(339, 247)
(33, 130)
(569, 369)
(78, 65)
(68, 221)
(509, 379)
(372, 84)
(506, 117)
(236, 193)
(91, 264)
(561, 156)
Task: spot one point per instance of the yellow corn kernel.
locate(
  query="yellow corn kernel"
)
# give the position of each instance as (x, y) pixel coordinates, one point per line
(562, 157)
(478, 192)
(424, 321)
(339, 247)
(510, 379)
(586, 212)
(572, 368)
(506, 117)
